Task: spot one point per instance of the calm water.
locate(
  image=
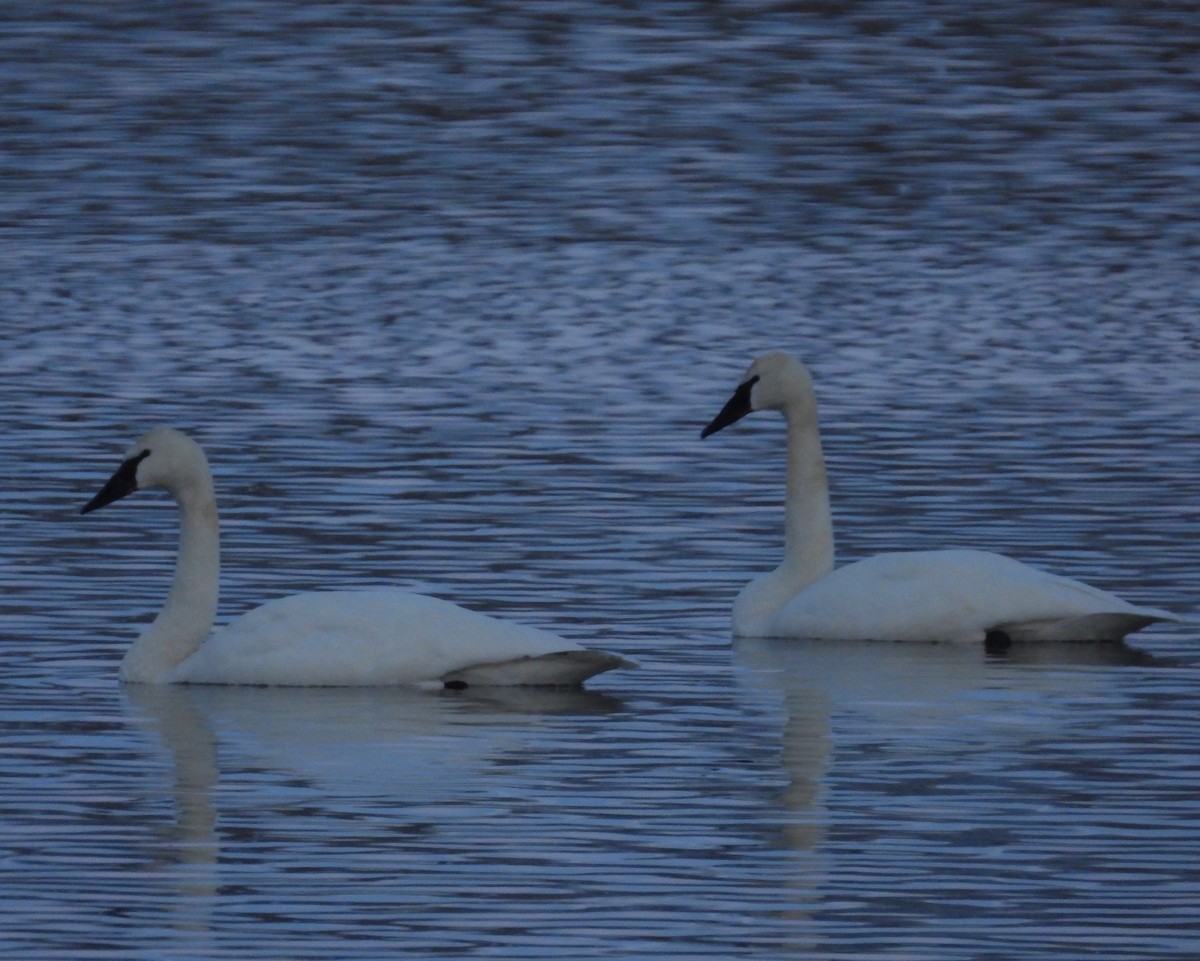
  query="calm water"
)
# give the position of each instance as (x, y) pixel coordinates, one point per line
(447, 291)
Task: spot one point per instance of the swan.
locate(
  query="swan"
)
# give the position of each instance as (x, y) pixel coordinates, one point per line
(942, 595)
(334, 638)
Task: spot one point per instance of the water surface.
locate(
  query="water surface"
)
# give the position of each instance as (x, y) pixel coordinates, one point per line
(447, 292)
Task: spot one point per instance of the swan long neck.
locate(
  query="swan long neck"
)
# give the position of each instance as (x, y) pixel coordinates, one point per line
(808, 527)
(191, 606)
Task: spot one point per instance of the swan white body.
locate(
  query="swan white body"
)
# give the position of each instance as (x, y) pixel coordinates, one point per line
(344, 638)
(950, 595)
(373, 637)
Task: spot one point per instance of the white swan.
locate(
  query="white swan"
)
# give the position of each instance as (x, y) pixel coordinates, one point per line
(336, 638)
(949, 595)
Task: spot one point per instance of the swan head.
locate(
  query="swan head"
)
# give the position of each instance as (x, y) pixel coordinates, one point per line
(162, 457)
(775, 381)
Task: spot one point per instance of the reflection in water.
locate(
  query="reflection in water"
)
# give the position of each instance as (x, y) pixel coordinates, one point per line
(898, 686)
(416, 748)
(852, 674)
(930, 777)
(194, 850)
(1118, 654)
(379, 740)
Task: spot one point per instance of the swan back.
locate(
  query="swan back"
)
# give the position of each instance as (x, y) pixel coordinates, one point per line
(378, 637)
(953, 595)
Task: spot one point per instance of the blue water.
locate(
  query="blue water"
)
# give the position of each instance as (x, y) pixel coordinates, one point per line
(447, 292)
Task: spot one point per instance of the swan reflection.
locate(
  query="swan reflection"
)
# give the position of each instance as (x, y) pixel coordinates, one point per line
(935, 697)
(416, 750)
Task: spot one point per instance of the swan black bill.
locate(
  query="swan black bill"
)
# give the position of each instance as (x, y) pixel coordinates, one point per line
(121, 484)
(737, 407)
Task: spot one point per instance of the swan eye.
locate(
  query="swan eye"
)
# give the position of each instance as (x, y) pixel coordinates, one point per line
(746, 385)
(131, 463)
(128, 469)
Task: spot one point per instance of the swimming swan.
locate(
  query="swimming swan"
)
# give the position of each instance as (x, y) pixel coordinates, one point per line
(336, 638)
(948, 595)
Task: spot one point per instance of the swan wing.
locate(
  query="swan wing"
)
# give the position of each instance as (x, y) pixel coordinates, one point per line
(341, 638)
(955, 595)
(559, 669)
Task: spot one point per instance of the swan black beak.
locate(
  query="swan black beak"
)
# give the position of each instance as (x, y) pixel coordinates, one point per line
(734, 410)
(121, 484)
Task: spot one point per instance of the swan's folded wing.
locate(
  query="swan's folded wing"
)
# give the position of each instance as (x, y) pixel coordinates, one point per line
(560, 669)
(342, 638)
(954, 595)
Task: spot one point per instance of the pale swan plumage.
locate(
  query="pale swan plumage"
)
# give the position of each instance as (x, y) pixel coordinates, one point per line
(369, 637)
(948, 595)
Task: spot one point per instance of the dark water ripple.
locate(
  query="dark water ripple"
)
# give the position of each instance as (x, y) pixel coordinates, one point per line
(447, 291)
(263, 122)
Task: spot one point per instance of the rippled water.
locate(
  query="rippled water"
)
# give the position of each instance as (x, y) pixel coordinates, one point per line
(447, 291)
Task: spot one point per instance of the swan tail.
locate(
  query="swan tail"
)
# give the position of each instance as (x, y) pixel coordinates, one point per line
(1112, 626)
(560, 669)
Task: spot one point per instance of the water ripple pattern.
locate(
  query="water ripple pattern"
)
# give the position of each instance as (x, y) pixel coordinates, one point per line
(447, 291)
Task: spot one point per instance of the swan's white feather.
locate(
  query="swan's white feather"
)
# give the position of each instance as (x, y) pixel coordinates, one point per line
(342, 638)
(950, 595)
(334, 638)
(953, 595)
